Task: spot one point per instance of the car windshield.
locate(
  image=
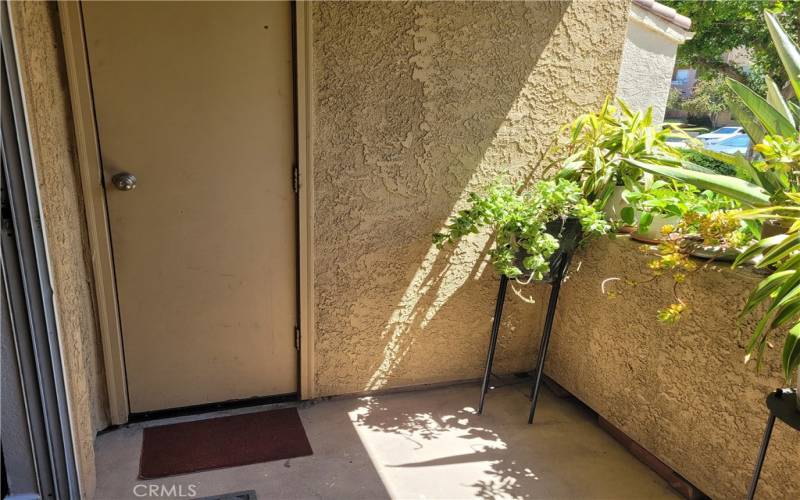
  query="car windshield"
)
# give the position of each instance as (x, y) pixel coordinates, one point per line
(738, 141)
(726, 130)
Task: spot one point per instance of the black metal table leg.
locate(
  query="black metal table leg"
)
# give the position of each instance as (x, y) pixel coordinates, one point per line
(762, 454)
(548, 327)
(498, 312)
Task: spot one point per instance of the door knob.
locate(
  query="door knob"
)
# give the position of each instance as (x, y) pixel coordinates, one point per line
(124, 181)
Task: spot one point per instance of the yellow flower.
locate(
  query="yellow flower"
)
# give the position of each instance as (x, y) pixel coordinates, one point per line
(671, 314)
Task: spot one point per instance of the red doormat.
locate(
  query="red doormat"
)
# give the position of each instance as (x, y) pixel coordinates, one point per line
(169, 450)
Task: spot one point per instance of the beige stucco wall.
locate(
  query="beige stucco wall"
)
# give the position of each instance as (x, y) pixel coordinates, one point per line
(415, 105)
(648, 60)
(682, 392)
(37, 41)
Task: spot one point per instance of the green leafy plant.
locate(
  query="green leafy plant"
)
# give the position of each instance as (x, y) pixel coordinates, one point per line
(671, 199)
(771, 121)
(769, 187)
(745, 192)
(599, 149)
(518, 219)
(706, 225)
(780, 291)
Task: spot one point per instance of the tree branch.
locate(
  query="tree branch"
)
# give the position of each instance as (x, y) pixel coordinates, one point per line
(726, 69)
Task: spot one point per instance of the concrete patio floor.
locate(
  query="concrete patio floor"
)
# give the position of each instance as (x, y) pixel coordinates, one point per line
(421, 444)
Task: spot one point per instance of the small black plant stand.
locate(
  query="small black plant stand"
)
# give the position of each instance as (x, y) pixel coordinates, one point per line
(782, 405)
(558, 268)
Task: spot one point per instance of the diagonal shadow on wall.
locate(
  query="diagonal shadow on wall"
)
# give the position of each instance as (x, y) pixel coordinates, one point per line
(424, 102)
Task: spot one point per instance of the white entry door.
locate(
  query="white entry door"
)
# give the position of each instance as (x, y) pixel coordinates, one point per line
(194, 106)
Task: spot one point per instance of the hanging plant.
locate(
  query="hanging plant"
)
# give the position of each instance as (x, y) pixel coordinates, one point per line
(519, 219)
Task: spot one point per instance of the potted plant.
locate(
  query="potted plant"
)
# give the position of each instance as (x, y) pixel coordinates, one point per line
(529, 225)
(769, 187)
(668, 209)
(598, 147)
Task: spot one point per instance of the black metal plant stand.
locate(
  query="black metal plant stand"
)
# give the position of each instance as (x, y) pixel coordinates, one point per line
(782, 405)
(558, 269)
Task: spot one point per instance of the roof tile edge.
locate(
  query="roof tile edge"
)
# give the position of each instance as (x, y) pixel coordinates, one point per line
(665, 12)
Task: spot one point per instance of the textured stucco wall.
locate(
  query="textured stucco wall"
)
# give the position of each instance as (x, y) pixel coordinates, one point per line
(648, 60)
(682, 392)
(38, 44)
(415, 105)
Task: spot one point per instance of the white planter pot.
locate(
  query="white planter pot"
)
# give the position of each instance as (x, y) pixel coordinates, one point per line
(653, 233)
(615, 204)
(716, 253)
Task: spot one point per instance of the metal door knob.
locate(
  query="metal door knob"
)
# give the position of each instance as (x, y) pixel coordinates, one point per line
(124, 181)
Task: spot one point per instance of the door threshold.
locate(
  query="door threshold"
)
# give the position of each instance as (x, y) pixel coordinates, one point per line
(211, 407)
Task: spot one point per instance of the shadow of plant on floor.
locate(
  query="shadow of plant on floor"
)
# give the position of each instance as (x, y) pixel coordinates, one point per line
(502, 476)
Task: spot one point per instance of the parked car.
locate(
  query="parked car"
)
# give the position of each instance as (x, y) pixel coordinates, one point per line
(721, 134)
(677, 142)
(732, 145)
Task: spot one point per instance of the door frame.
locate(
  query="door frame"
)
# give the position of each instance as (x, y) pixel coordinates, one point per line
(35, 386)
(96, 210)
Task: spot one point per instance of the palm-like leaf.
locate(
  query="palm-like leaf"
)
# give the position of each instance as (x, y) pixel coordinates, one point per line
(771, 119)
(777, 117)
(795, 111)
(781, 289)
(746, 119)
(787, 51)
(745, 192)
(745, 170)
(776, 100)
(790, 360)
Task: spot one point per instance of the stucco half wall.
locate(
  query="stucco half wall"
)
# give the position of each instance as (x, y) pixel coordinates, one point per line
(416, 104)
(682, 392)
(648, 60)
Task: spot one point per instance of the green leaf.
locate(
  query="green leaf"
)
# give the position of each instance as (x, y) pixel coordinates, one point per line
(644, 221)
(785, 314)
(755, 130)
(758, 248)
(745, 169)
(746, 192)
(764, 289)
(790, 358)
(697, 168)
(628, 215)
(789, 293)
(795, 111)
(790, 264)
(787, 51)
(577, 127)
(568, 172)
(757, 336)
(776, 100)
(781, 250)
(624, 107)
(771, 119)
